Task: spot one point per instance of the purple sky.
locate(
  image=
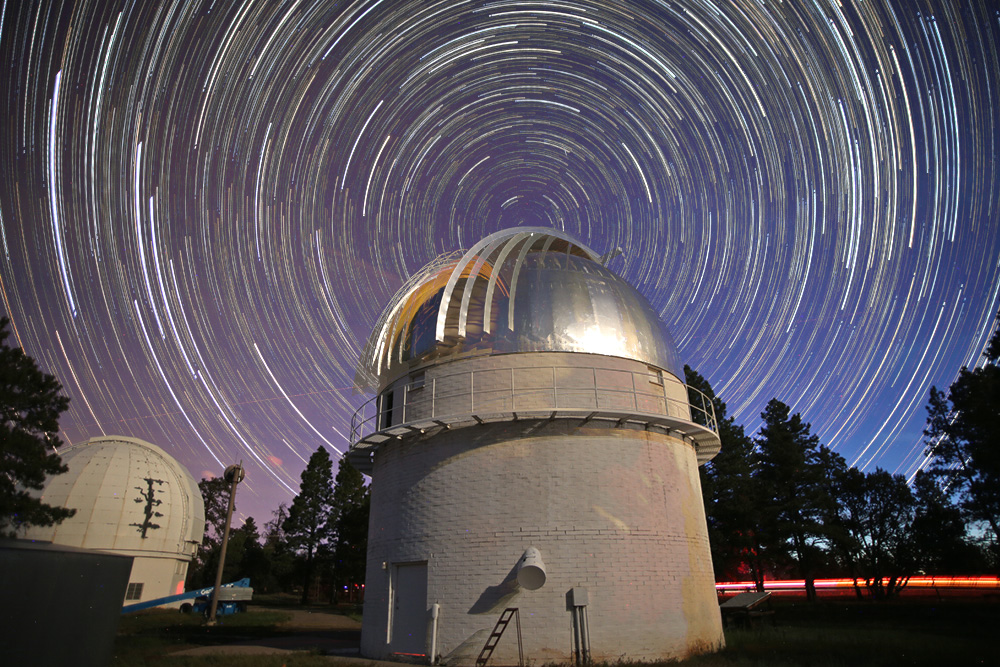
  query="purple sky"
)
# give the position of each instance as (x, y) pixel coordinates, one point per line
(205, 205)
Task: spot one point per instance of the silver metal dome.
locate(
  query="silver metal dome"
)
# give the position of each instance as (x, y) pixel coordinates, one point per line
(519, 290)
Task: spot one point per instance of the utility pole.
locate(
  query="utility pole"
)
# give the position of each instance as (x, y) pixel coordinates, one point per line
(234, 475)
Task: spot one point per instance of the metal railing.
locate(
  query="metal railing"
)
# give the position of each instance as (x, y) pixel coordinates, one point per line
(532, 389)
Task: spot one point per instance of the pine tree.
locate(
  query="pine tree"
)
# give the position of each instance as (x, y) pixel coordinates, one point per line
(279, 556)
(309, 527)
(727, 491)
(215, 496)
(351, 502)
(939, 532)
(31, 403)
(963, 436)
(251, 558)
(792, 497)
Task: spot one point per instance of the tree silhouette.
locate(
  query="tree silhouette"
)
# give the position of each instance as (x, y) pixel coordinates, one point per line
(351, 503)
(963, 436)
(30, 404)
(727, 490)
(309, 526)
(215, 494)
(939, 533)
(876, 510)
(792, 497)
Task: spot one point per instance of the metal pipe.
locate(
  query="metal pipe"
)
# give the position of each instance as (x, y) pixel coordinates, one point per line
(585, 635)
(577, 647)
(435, 612)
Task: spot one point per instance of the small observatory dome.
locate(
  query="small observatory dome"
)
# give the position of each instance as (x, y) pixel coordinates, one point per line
(519, 290)
(130, 497)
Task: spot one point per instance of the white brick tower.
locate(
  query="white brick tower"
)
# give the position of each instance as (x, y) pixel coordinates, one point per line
(532, 446)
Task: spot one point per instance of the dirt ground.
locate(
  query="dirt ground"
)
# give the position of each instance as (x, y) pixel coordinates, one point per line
(328, 633)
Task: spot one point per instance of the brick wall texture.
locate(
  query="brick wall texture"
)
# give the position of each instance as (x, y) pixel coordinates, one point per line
(615, 511)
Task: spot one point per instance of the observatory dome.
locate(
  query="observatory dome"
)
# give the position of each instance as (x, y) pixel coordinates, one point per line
(130, 496)
(519, 290)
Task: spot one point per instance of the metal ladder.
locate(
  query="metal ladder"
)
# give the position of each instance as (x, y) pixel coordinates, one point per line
(494, 638)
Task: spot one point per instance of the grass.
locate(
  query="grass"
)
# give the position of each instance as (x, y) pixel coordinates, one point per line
(148, 638)
(848, 633)
(833, 633)
(293, 601)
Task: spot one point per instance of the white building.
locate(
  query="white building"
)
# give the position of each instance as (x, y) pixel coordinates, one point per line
(532, 446)
(131, 498)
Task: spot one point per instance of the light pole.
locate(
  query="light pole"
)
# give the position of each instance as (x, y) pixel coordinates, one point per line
(234, 475)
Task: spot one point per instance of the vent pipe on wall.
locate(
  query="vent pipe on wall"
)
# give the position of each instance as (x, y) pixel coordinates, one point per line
(531, 570)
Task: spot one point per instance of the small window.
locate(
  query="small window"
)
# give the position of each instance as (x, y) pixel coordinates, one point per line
(385, 414)
(416, 381)
(655, 376)
(134, 592)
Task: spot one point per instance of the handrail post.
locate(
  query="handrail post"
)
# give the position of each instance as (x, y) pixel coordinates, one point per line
(434, 398)
(635, 397)
(555, 389)
(472, 390)
(597, 398)
(513, 407)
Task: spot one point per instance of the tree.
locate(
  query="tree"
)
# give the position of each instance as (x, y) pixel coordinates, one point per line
(876, 511)
(31, 403)
(727, 490)
(939, 533)
(280, 557)
(215, 495)
(792, 498)
(351, 503)
(963, 437)
(248, 557)
(309, 528)
(840, 546)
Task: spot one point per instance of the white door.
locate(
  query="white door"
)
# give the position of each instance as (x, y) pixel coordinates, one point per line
(409, 609)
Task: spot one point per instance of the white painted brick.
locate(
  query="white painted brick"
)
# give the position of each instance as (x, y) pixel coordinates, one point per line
(613, 509)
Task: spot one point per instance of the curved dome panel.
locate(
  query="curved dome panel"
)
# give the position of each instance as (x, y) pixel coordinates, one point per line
(129, 495)
(519, 290)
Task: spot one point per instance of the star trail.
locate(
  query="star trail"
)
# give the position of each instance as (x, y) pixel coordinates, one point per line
(205, 206)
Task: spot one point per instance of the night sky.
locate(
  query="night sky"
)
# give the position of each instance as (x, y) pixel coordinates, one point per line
(206, 205)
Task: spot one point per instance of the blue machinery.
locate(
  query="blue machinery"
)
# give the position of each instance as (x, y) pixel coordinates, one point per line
(233, 597)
